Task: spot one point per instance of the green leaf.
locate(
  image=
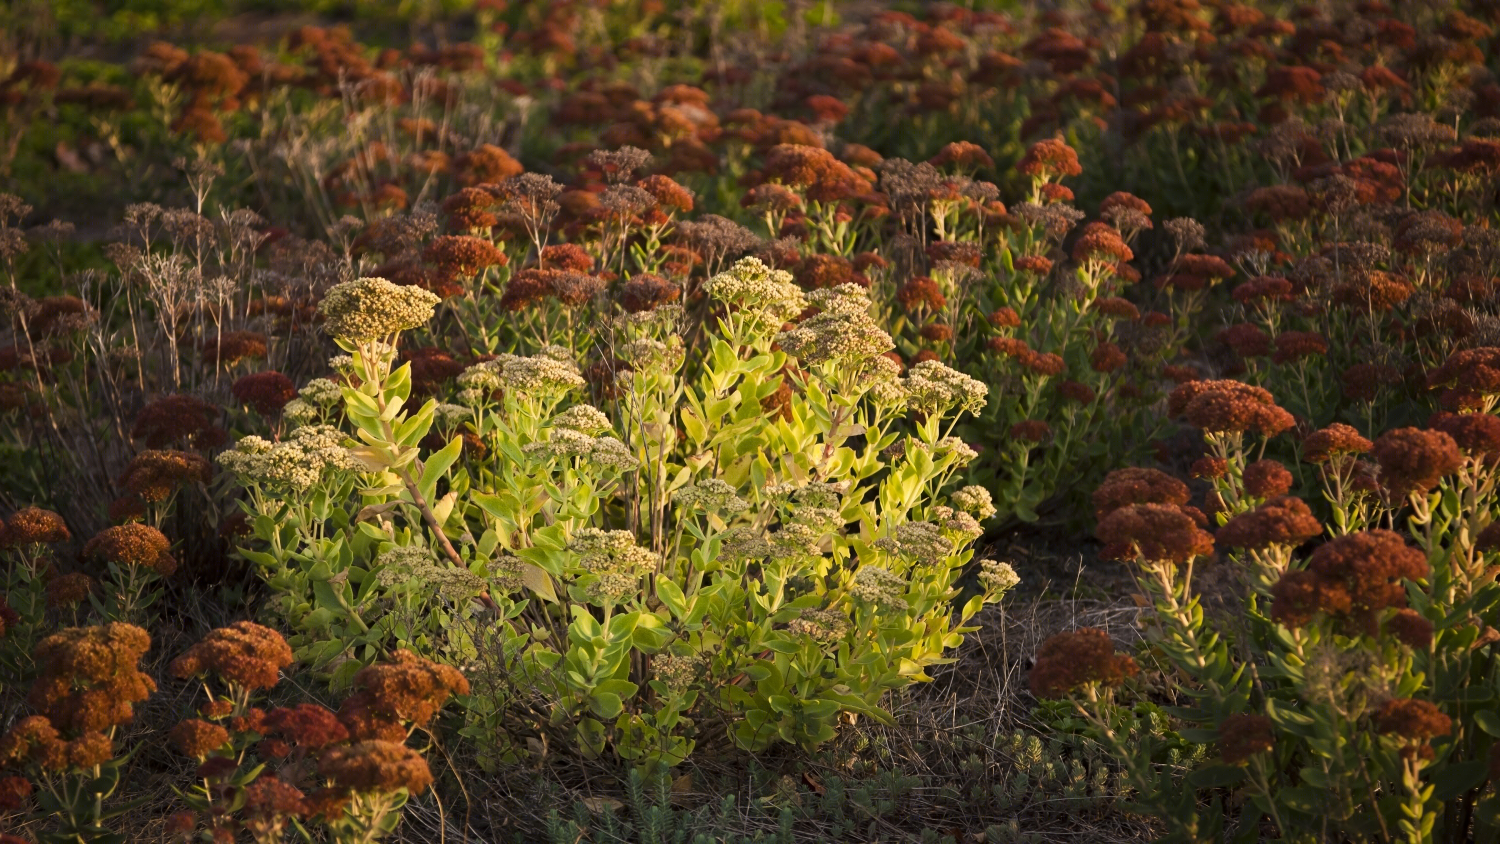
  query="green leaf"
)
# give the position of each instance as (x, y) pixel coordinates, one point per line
(1304, 799)
(671, 597)
(623, 688)
(437, 465)
(605, 704)
(1488, 720)
(538, 581)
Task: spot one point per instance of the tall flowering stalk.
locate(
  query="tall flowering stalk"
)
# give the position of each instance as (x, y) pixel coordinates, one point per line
(26, 541)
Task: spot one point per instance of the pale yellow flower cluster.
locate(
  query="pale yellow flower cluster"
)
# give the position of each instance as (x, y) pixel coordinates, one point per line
(934, 388)
(754, 288)
(369, 309)
(298, 462)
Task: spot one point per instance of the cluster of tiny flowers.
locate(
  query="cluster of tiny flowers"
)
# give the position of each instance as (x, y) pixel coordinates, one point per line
(132, 544)
(88, 683)
(932, 388)
(1266, 479)
(923, 541)
(1069, 661)
(1280, 521)
(1160, 533)
(887, 388)
(1413, 460)
(297, 462)
(481, 379)
(752, 287)
(1415, 721)
(155, 475)
(541, 374)
(798, 539)
(1352, 578)
(713, 495)
(961, 526)
(1138, 485)
(677, 673)
(561, 444)
(196, 738)
(821, 520)
(649, 355)
(322, 392)
(299, 412)
(744, 543)
(449, 415)
(33, 526)
(610, 551)
(879, 585)
(820, 625)
(611, 454)
(998, 577)
(406, 563)
(584, 418)
(612, 587)
(842, 333)
(244, 654)
(1229, 407)
(605, 452)
(369, 309)
(393, 696)
(505, 574)
(824, 495)
(975, 500)
(376, 767)
(960, 451)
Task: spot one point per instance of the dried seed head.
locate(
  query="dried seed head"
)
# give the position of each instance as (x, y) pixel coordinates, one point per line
(1069, 661)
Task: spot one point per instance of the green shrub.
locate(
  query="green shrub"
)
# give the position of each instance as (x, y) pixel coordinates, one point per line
(720, 563)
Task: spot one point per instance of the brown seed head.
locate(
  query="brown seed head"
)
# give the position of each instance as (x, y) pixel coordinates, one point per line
(1336, 440)
(1415, 720)
(307, 725)
(244, 653)
(1137, 485)
(1069, 661)
(1267, 479)
(68, 590)
(1410, 628)
(266, 392)
(1280, 521)
(1414, 460)
(1477, 434)
(33, 526)
(1228, 406)
(1243, 735)
(132, 544)
(197, 738)
(154, 475)
(1049, 159)
(1162, 533)
(406, 690)
(376, 767)
(89, 679)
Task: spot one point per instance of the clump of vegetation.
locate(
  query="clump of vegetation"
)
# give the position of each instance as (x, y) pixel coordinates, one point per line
(650, 422)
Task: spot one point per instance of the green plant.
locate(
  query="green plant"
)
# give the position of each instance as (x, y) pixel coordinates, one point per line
(693, 621)
(1349, 698)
